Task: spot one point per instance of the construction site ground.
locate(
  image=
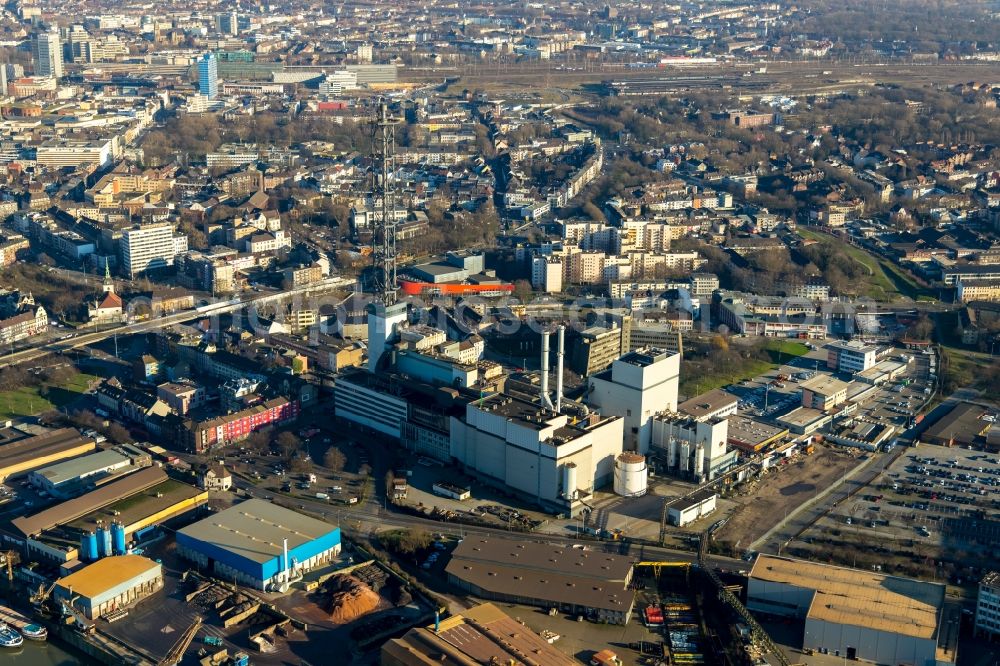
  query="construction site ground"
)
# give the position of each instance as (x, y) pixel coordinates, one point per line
(783, 488)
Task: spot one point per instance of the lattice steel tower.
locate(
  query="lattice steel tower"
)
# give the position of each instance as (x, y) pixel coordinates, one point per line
(383, 155)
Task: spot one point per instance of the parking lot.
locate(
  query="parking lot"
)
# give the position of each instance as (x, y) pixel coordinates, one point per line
(934, 506)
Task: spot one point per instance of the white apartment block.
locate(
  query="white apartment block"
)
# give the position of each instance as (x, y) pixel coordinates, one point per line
(150, 247)
(546, 274)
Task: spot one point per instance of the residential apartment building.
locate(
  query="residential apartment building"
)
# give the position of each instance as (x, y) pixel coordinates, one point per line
(201, 436)
(149, 248)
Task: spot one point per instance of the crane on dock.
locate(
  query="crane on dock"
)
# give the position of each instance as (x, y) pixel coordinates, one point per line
(177, 650)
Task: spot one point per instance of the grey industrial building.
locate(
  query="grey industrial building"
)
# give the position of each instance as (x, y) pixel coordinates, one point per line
(576, 581)
(72, 477)
(856, 614)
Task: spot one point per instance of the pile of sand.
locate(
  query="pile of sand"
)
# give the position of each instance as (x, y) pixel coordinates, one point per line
(350, 598)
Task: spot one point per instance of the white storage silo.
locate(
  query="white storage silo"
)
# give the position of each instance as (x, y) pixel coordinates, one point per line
(699, 460)
(685, 457)
(569, 487)
(672, 453)
(630, 475)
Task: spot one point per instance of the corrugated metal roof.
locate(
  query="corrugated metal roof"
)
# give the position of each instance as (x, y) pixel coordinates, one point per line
(95, 579)
(256, 529)
(65, 512)
(859, 598)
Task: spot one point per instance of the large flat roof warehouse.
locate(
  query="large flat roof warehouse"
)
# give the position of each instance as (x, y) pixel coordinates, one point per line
(555, 573)
(962, 425)
(32, 452)
(70, 510)
(256, 530)
(860, 598)
(66, 471)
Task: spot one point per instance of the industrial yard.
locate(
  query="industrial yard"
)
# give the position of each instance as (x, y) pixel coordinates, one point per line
(934, 513)
(782, 489)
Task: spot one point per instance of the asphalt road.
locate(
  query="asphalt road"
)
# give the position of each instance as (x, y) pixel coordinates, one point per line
(76, 341)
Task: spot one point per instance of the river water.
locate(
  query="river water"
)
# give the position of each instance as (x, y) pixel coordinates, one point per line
(49, 653)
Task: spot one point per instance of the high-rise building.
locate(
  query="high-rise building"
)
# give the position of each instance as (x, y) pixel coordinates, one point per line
(208, 75)
(227, 23)
(365, 53)
(151, 247)
(46, 50)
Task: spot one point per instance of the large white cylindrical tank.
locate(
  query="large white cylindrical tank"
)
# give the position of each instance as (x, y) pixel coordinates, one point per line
(672, 453)
(630, 475)
(699, 460)
(685, 456)
(569, 483)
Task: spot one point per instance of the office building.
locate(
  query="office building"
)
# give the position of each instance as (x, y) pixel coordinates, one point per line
(227, 23)
(823, 392)
(208, 76)
(638, 385)
(259, 544)
(852, 356)
(855, 614)
(988, 606)
(150, 248)
(46, 51)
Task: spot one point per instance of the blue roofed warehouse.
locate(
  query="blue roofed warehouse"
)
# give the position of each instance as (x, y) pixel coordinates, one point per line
(246, 543)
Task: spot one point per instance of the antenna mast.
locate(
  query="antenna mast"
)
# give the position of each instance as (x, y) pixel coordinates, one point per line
(383, 127)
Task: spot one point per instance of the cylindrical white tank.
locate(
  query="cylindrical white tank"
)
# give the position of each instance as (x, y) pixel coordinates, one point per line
(570, 489)
(685, 456)
(630, 475)
(699, 460)
(672, 453)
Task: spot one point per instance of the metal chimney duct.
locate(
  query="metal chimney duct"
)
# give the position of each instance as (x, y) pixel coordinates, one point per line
(544, 399)
(560, 349)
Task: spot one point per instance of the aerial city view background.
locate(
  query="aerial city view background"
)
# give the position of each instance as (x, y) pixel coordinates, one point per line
(500, 334)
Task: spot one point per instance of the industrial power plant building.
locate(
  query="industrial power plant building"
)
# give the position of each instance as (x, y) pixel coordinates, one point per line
(857, 614)
(259, 544)
(111, 584)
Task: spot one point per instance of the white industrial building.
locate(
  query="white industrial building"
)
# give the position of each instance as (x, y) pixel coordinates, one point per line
(692, 447)
(685, 510)
(554, 459)
(638, 386)
(855, 614)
